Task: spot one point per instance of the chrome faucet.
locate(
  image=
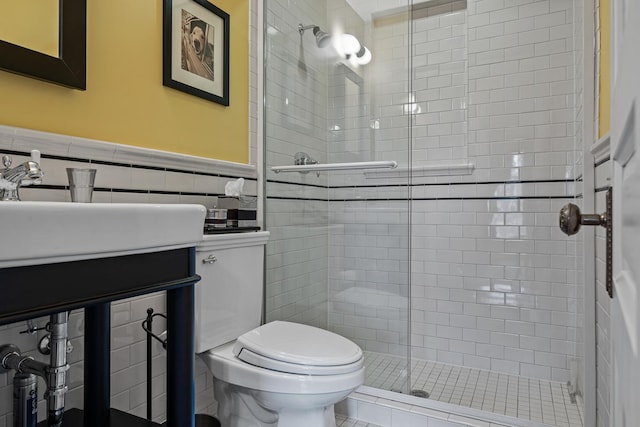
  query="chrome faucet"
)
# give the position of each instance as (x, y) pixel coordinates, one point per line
(25, 174)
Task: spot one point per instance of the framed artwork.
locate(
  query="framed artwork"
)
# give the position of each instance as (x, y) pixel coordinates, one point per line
(196, 49)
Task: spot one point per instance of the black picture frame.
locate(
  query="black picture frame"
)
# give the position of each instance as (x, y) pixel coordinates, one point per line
(191, 57)
(70, 67)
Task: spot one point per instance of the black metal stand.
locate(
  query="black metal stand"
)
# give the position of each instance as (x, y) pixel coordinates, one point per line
(97, 365)
(201, 420)
(147, 325)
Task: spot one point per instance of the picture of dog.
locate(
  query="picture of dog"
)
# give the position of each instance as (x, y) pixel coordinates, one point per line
(197, 46)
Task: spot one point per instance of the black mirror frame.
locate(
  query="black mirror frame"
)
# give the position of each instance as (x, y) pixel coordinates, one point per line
(69, 69)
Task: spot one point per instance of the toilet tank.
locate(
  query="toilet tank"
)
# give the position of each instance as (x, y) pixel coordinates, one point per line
(228, 299)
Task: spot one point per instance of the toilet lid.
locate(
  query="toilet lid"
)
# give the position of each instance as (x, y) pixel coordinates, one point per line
(296, 348)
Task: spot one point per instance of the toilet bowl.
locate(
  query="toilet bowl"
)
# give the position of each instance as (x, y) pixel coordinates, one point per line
(279, 374)
(283, 374)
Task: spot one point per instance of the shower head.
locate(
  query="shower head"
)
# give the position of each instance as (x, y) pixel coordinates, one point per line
(322, 38)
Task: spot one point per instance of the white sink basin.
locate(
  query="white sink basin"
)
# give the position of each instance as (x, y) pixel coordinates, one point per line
(47, 232)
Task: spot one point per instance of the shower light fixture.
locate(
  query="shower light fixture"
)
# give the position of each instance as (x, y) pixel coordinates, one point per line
(322, 38)
(346, 45)
(363, 56)
(349, 44)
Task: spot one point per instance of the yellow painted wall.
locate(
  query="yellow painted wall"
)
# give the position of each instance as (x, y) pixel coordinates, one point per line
(125, 101)
(605, 68)
(31, 23)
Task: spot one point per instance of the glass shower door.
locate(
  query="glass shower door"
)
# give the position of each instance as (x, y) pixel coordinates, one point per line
(338, 257)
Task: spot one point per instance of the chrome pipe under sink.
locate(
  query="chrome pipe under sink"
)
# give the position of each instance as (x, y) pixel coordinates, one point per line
(54, 373)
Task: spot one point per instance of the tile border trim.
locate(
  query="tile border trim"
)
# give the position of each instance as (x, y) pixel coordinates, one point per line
(52, 144)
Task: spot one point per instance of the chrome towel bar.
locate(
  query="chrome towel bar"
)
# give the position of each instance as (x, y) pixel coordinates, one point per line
(388, 164)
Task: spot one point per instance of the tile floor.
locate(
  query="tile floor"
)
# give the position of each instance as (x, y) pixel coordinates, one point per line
(543, 401)
(342, 421)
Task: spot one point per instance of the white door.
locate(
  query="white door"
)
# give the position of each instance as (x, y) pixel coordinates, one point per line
(625, 142)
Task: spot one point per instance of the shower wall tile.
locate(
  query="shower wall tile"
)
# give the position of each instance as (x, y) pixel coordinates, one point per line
(296, 120)
(499, 299)
(297, 261)
(368, 274)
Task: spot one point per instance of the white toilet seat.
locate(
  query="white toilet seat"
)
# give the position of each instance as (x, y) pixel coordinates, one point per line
(298, 344)
(261, 361)
(295, 348)
(225, 366)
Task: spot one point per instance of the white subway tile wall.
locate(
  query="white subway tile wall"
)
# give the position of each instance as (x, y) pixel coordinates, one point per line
(296, 261)
(476, 300)
(369, 267)
(296, 85)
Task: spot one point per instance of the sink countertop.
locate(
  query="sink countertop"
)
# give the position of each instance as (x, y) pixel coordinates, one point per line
(36, 233)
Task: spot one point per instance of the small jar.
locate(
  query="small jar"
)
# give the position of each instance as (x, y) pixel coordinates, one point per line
(216, 217)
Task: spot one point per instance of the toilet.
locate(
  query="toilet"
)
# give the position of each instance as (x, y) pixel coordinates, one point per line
(280, 374)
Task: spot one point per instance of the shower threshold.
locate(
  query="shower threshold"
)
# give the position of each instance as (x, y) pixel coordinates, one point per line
(541, 401)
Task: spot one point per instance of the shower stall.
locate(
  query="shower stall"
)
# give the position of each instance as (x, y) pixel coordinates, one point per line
(416, 155)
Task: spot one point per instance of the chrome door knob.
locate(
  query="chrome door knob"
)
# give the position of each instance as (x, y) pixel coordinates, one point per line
(571, 219)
